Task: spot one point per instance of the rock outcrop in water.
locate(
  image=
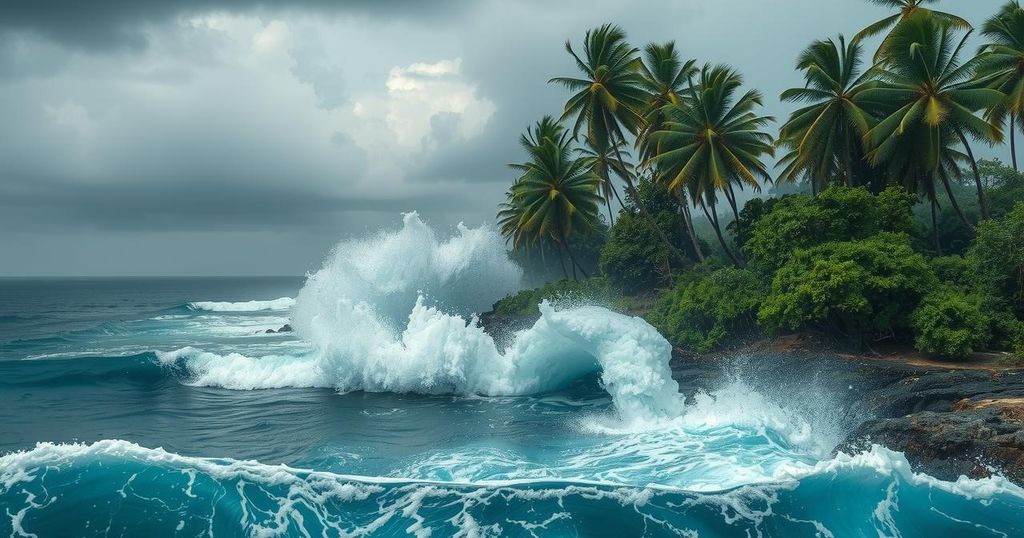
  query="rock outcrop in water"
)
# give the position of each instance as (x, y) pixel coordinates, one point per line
(951, 423)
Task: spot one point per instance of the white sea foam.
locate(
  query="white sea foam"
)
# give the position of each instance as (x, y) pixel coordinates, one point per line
(283, 303)
(442, 353)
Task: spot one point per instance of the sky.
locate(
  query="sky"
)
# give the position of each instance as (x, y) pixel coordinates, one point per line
(246, 137)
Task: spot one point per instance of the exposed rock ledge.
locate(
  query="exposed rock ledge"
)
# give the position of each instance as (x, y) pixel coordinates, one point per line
(950, 419)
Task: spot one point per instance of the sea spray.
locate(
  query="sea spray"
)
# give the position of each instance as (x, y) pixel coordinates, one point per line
(388, 272)
(440, 353)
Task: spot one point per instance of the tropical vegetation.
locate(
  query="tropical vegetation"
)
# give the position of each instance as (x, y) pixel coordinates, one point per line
(880, 221)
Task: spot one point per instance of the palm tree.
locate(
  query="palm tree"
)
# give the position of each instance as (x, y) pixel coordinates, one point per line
(928, 97)
(665, 78)
(712, 140)
(824, 138)
(603, 162)
(1003, 57)
(555, 195)
(609, 98)
(906, 9)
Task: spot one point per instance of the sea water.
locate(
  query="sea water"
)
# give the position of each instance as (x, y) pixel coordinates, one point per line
(164, 407)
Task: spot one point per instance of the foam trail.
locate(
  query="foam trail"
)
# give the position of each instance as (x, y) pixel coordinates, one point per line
(283, 303)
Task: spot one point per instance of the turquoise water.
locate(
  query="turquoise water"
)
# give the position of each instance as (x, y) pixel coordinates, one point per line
(163, 408)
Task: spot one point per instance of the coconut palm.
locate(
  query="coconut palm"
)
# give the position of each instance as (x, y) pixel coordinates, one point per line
(1003, 57)
(928, 97)
(605, 162)
(555, 195)
(713, 139)
(665, 79)
(607, 100)
(824, 138)
(906, 9)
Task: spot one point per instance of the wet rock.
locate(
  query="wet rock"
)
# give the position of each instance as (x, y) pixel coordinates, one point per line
(950, 423)
(286, 328)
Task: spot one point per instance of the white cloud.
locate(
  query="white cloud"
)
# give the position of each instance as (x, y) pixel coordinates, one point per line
(421, 92)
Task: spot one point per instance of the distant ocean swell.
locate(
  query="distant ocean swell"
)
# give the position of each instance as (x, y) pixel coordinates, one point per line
(119, 488)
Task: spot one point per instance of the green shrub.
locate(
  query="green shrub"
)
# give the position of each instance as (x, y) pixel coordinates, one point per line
(953, 270)
(524, 303)
(854, 288)
(836, 214)
(635, 258)
(702, 313)
(950, 323)
(998, 258)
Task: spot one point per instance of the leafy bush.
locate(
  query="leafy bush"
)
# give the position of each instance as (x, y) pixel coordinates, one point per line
(635, 258)
(524, 303)
(950, 323)
(700, 314)
(855, 288)
(953, 270)
(998, 258)
(836, 214)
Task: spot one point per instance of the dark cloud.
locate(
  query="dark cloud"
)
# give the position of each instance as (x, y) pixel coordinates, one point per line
(118, 24)
(131, 143)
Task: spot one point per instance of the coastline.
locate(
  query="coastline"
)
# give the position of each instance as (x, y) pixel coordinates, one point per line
(949, 418)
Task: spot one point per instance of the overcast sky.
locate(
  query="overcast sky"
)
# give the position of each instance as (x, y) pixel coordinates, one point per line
(241, 137)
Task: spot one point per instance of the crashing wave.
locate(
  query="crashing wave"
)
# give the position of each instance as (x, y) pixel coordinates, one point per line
(41, 491)
(438, 353)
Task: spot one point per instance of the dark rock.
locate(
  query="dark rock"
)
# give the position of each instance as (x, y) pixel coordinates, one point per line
(947, 421)
(286, 328)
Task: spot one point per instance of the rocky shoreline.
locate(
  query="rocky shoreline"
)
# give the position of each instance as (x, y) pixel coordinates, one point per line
(949, 419)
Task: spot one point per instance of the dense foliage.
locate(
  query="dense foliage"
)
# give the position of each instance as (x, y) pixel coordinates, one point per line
(562, 292)
(705, 312)
(858, 289)
(951, 324)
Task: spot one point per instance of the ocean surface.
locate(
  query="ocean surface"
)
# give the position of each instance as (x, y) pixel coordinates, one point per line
(163, 407)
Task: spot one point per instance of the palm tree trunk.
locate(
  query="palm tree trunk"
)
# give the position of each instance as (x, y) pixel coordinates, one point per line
(955, 204)
(935, 225)
(713, 217)
(982, 200)
(731, 196)
(572, 257)
(688, 224)
(1013, 140)
(640, 204)
(561, 260)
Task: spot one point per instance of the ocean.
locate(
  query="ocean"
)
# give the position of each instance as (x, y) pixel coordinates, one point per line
(164, 407)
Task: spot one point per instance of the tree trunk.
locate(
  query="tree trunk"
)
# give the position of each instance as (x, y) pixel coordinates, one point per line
(731, 196)
(982, 200)
(640, 204)
(572, 257)
(713, 217)
(561, 260)
(688, 225)
(935, 225)
(955, 204)
(1013, 141)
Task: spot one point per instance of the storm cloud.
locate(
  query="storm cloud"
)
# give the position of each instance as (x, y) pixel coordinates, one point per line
(247, 137)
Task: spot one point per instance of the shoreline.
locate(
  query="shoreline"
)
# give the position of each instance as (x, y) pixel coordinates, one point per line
(949, 418)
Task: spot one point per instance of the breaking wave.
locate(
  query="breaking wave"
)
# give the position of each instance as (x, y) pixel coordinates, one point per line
(284, 303)
(53, 490)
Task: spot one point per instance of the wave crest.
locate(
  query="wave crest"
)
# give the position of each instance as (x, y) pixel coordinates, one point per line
(283, 303)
